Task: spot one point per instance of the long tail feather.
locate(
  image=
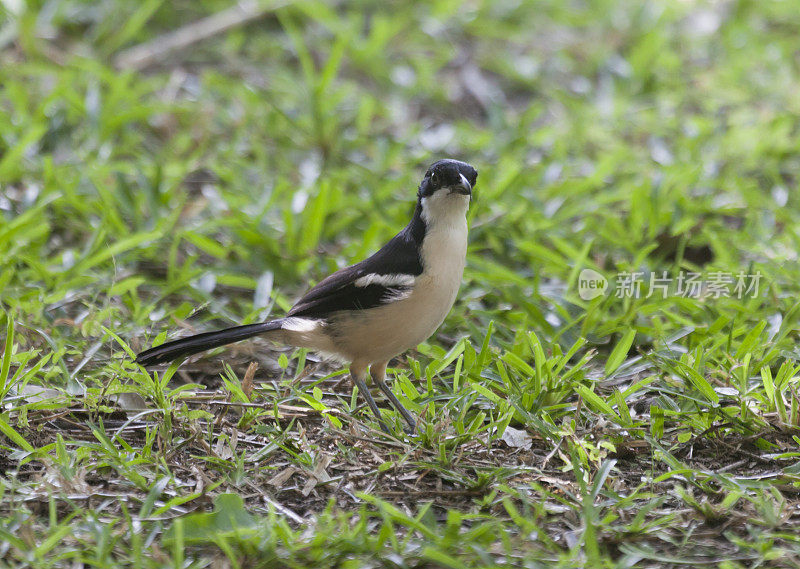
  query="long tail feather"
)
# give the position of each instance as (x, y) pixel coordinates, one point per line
(200, 342)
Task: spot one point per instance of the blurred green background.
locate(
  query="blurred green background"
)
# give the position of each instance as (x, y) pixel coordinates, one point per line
(147, 187)
(608, 135)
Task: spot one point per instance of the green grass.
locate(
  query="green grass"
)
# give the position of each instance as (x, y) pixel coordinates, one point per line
(554, 431)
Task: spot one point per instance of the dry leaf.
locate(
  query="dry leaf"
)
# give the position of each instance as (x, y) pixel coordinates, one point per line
(247, 382)
(516, 438)
(282, 477)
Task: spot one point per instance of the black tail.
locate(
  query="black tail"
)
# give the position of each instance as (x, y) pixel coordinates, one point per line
(200, 342)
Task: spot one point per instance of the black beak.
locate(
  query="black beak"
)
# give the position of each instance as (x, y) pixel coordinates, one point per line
(462, 187)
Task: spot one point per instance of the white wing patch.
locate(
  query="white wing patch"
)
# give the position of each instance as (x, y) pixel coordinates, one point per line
(395, 279)
(299, 324)
(399, 294)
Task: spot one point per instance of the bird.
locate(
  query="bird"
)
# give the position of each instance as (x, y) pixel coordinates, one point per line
(366, 314)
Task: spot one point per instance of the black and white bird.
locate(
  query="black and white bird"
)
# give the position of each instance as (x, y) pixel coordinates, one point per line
(372, 311)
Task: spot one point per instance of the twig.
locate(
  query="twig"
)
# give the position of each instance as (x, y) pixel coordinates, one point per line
(144, 55)
(278, 506)
(551, 453)
(443, 493)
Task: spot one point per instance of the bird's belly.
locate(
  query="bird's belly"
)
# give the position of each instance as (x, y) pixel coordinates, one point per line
(379, 334)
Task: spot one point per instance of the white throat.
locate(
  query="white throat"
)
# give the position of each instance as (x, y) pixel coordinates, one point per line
(443, 208)
(444, 249)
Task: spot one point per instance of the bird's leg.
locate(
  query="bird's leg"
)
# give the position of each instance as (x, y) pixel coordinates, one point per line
(357, 374)
(378, 373)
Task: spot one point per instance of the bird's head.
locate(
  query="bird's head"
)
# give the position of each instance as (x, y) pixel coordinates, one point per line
(447, 188)
(450, 177)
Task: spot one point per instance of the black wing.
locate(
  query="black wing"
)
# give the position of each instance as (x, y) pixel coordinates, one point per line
(400, 256)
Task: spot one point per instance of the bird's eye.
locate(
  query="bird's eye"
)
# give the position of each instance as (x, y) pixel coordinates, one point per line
(434, 178)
